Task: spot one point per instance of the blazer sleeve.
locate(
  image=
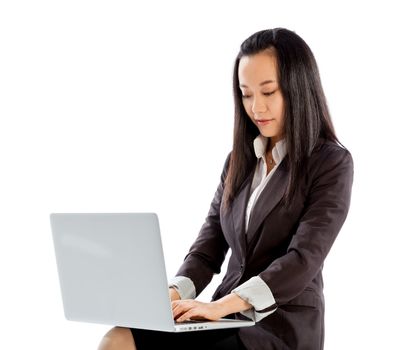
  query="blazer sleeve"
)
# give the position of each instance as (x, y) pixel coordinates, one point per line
(324, 213)
(208, 252)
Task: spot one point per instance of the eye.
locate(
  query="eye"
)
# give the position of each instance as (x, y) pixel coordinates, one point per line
(245, 96)
(269, 93)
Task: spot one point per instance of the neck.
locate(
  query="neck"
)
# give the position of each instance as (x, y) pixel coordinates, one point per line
(272, 141)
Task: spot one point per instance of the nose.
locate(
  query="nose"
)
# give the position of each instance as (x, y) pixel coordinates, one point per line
(258, 105)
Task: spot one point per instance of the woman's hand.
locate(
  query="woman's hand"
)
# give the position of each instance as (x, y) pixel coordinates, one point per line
(173, 294)
(184, 310)
(192, 309)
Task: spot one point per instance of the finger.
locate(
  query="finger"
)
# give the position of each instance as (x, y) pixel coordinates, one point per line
(181, 308)
(193, 314)
(186, 316)
(183, 302)
(177, 302)
(178, 305)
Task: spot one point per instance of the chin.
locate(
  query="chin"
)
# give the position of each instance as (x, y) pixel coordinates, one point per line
(268, 134)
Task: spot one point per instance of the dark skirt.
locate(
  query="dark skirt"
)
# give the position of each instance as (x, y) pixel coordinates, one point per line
(221, 339)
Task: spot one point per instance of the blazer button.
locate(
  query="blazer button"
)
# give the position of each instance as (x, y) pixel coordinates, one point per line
(241, 267)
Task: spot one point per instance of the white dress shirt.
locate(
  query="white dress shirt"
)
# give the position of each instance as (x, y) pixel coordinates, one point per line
(255, 291)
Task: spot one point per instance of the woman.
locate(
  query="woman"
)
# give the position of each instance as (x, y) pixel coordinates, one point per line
(283, 197)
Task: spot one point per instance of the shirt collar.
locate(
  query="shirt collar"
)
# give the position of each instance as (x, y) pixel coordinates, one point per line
(278, 152)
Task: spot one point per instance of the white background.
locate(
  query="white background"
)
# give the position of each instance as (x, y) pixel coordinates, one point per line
(127, 106)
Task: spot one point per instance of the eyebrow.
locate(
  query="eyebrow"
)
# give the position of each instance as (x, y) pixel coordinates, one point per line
(262, 83)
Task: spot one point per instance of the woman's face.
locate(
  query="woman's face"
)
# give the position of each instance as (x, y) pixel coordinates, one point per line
(262, 98)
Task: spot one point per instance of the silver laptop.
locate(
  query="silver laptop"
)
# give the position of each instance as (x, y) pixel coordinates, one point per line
(112, 271)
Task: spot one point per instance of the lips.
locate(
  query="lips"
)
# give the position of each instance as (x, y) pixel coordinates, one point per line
(263, 122)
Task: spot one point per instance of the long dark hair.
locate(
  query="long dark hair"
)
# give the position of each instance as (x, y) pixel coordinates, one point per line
(306, 114)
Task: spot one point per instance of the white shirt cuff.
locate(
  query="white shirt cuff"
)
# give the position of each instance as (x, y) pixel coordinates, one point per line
(184, 287)
(257, 293)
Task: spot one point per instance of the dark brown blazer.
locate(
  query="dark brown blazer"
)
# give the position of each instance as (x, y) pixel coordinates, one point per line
(286, 247)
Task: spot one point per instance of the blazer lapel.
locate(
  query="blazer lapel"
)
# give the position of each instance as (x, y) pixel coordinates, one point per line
(268, 199)
(238, 212)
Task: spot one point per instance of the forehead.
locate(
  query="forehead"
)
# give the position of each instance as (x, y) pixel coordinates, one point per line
(257, 68)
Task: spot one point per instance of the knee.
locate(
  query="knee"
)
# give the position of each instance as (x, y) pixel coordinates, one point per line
(117, 338)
